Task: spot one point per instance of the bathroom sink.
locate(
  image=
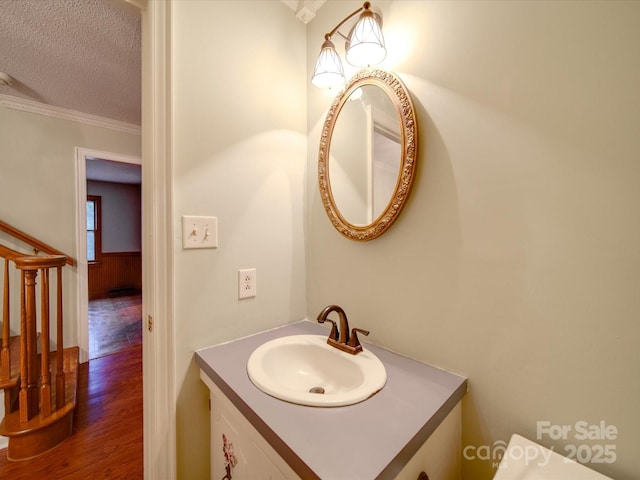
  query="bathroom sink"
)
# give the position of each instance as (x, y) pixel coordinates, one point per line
(303, 369)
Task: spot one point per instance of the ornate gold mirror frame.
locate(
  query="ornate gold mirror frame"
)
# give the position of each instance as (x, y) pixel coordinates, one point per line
(401, 100)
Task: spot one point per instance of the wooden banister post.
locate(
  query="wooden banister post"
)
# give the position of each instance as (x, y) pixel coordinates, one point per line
(43, 417)
(28, 348)
(5, 356)
(30, 401)
(60, 382)
(45, 376)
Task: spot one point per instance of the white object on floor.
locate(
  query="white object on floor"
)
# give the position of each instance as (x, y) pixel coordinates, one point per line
(526, 460)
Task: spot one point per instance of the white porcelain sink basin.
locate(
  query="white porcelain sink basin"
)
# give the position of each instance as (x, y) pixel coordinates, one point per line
(303, 369)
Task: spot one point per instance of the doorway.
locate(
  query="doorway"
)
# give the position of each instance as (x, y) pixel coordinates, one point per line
(115, 269)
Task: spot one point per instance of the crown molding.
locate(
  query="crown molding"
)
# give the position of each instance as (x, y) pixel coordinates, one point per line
(305, 10)
(141, 4)
(25, 105)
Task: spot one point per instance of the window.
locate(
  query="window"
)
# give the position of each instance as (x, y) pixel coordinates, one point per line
(94, 235)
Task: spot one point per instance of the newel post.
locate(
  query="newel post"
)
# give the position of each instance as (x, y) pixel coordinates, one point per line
(28, 348)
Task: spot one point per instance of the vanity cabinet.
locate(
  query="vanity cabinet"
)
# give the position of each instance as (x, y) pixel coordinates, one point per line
(235, 443)
(440, 456)
(412, 425)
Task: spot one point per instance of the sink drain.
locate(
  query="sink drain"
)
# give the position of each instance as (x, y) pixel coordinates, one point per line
(316, 390)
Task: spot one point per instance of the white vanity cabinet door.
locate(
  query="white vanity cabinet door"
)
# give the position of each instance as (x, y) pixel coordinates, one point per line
(227, 444)
(252, 457)
(439, 457)
(262, 467)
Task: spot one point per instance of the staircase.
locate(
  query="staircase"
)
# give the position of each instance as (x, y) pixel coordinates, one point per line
(39, 383)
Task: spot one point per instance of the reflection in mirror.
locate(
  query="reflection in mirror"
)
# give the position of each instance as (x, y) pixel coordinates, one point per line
(364, 158)
(367, 155)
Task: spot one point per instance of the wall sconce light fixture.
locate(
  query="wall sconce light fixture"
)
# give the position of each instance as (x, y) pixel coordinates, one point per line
(364, 47)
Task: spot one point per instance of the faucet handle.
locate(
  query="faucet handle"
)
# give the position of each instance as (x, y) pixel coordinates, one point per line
(353, 339)
(334, 329)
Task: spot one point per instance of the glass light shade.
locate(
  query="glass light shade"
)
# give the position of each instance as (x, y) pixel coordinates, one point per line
(366, 42)
(328, 72)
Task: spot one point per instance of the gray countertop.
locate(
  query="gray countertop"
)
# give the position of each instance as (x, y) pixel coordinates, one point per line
(369, 440)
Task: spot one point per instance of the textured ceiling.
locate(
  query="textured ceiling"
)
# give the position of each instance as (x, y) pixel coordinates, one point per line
(83, 55)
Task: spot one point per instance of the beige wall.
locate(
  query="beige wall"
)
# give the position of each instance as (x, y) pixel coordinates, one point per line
(516, 262)
(121, 215)
(239, 154)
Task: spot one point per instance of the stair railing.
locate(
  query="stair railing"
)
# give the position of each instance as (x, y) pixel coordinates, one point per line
(34, 397)
(36, 244)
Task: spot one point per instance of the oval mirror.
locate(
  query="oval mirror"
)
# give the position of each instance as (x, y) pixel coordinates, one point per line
(367, 157)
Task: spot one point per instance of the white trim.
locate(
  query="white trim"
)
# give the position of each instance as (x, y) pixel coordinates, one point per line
(25, 105)
(82, 154)
(140, 4)
(159, 365)
(305, 10)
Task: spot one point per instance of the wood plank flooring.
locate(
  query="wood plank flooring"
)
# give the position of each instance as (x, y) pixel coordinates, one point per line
(115, 324)
(106, 442)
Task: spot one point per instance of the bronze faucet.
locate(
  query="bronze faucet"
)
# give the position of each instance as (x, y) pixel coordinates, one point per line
(339, 337)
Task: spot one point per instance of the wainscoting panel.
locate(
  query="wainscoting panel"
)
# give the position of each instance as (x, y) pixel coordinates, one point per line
(118, 273)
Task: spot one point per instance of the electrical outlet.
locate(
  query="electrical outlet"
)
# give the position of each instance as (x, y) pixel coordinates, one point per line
(247, 283)
(199, 232)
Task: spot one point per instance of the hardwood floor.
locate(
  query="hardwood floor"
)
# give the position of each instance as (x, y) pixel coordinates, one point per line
(115, 324)
(106, 442)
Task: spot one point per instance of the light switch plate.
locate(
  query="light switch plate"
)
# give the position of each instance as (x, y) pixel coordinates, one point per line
(199, 232)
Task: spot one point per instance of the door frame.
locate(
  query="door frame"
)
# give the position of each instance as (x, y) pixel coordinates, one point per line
(82, 154)
(158, 347)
